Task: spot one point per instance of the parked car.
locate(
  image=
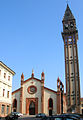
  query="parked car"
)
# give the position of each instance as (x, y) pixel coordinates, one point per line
(19, 114)
(40, 115)
(66, 117)
(13, 116)
(74, 116)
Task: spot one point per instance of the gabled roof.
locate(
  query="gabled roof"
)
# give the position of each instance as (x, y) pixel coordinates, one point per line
(36, 80)
(25, 82)
(30, 79)
(44, 88)
(7, 68)
(16, 91)
(68, 14)
(50, 90)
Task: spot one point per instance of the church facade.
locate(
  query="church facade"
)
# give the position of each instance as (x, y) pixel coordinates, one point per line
(33, 97)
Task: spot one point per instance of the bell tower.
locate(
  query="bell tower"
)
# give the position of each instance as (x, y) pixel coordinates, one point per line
(70, 38)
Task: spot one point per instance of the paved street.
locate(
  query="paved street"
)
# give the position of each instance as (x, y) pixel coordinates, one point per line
(30, 118)
(25, 118)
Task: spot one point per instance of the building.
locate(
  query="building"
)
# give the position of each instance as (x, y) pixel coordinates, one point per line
(81, 109)
(6, 75)
(70, 38)
(33, 97)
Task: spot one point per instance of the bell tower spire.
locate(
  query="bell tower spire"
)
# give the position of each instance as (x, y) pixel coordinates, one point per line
(68, 14)
(70, 37)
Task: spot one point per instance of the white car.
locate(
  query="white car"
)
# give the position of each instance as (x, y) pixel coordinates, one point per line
(18, 114)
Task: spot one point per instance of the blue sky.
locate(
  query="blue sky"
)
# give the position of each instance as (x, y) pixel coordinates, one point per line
(30, 38)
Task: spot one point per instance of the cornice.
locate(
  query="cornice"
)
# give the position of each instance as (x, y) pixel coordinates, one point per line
(7, 68)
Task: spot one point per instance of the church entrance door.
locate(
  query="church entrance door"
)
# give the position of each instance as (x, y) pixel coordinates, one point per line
(14, 110)
(32, 108)
(50, 112)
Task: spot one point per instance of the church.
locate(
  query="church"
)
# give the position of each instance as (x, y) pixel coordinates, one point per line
(33, 97)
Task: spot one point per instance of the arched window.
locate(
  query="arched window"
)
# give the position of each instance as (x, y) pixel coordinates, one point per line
(50, 106)
(14, 103)
(50, 103)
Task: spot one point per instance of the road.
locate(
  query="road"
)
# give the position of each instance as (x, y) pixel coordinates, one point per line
(30, 118)
(26, 118)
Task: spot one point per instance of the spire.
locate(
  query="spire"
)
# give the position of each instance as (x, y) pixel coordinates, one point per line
(22, 77)
(42, 76)
(68, 14)
(32, 73)
(58, 78)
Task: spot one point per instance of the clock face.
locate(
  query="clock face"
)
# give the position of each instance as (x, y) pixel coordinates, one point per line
(66, 26)
(71, 24)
